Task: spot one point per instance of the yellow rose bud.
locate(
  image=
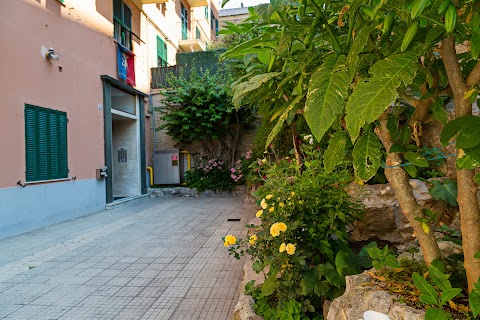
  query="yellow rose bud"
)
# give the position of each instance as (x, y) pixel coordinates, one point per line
(230, 239)
(259, 213)
(264, 160)
(274, 231)
(281, 204)
(271, 209)
(290, 248)
(263, 204)
(282, 248)
(292, 193)
(268, 197)
(226, 244)
(252, 239)
(282, 226)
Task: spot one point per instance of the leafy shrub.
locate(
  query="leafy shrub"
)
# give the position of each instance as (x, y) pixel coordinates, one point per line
(303, 237)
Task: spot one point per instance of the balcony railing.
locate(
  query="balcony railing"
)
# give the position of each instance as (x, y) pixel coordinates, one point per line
(160, 76)
(188, 62)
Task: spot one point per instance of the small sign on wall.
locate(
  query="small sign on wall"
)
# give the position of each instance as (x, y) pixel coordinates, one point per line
(175, 160)
(122, 155)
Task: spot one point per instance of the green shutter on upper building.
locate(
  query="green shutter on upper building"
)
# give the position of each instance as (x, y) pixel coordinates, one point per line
(45, 144)
(162, 56)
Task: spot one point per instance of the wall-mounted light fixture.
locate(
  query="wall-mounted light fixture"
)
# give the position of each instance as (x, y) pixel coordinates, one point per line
(49, 54)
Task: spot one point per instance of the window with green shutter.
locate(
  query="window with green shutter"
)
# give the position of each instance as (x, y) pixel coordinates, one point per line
(162, 57)
(45, 144)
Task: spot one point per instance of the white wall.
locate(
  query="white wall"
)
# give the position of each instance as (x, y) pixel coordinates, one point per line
(37, 206)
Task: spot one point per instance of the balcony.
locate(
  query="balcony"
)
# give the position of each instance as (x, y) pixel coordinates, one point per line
(194, 39)
(160, 76)
(188, 62)
(197, 3)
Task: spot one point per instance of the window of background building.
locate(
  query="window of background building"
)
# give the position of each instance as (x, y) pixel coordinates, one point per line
(45, 144)
(184, 19)
(162, 57)
(122, 16)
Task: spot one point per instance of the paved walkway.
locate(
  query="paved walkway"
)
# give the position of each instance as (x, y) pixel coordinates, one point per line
(156, 258)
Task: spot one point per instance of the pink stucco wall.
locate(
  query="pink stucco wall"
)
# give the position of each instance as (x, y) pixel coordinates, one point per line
(85, 52)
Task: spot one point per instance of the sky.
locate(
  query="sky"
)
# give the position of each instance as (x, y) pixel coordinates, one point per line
(246, 3)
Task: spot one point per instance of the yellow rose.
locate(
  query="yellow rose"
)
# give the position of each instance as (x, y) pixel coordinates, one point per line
(282, 248)
(259, 213)
(264, 160)
(268, 197)
(292, 193)
(229, 240)
(290, 248)
(281, 204)
(253, 239)
(274, 231)
(271, 209)
(282, 226)
(263, 204)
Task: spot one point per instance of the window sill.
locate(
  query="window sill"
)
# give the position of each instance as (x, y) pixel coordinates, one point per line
(29, 183)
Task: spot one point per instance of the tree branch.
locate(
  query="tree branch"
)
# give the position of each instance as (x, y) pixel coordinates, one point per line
(474, 76)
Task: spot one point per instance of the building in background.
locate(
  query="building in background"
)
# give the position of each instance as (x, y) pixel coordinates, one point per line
(74, 117)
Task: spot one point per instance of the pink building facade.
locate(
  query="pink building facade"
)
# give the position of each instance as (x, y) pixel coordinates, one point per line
(74, 133)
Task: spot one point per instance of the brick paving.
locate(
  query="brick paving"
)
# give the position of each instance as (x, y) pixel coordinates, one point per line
(156, 258)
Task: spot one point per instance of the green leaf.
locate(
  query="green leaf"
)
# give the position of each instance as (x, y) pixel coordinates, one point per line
(308, 282)
(270, 285)
(468, 158)
(249, 287)
(411, 170)
(257, 266)
(336, 151)
(449, 294)
(360, 41)
(341, 262)
(477, 255)
(243, 88)
(367, 154)
(427, 289)
(375, 253)
(427, 299)
(377, 264)
(332, 275)
(466, 129)
(372, 96)
(416, 159)
(281, 121)
(435, 314)
(327, 91)
(447, 191)
(392, 262)
(474, 301)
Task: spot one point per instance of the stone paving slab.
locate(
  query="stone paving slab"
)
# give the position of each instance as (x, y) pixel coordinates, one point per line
(156, 258)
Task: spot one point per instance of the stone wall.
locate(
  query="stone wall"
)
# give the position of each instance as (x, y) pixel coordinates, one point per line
(383, 219)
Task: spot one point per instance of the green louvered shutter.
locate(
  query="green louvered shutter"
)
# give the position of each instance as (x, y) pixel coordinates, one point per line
(62, 145)
(30, 143)
(45, 144)
(162, 60)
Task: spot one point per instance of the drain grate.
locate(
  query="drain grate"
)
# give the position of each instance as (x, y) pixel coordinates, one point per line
(233, 219)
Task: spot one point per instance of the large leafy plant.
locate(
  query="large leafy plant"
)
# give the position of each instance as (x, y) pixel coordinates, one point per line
(374, 72)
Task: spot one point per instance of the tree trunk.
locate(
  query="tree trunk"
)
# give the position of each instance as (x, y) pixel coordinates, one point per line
(467, 189)
(399, 181)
